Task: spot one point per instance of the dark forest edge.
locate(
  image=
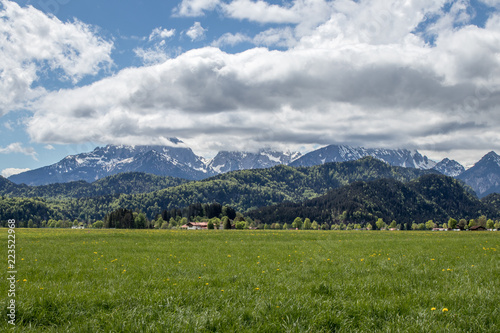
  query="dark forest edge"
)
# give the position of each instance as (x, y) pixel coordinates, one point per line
(348, 195)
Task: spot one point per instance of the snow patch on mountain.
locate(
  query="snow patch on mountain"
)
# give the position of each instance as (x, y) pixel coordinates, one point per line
(226, 161)
(449, 167)
(341, 153)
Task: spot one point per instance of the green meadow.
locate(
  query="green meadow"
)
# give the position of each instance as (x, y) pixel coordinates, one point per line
(254, 281)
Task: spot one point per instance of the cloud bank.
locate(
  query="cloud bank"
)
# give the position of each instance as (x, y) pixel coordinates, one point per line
(371, 73)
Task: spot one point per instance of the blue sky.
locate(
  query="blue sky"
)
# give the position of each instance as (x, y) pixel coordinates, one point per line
(247, 74)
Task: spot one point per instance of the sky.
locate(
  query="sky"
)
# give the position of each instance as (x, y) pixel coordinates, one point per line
(248, 74)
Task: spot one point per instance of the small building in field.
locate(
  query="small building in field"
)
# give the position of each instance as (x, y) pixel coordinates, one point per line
(195, 225)
(477, 228)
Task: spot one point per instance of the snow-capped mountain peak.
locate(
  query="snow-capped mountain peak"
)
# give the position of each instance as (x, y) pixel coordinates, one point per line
(449, 167)
(342, 153)
(178, 160)
(173, 160)
(226, 161)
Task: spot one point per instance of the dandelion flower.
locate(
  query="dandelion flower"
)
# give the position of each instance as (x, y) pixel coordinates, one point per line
(256, 288)
(445, 310)
(25, 280)
(433, 309)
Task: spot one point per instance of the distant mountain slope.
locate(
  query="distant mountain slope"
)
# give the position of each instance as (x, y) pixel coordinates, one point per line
(484, 176)
(226, 161)
(434, 197)
(248, 189)
(123, 183)
(24, 209)
(451, 195)
(175, 161)
(449, 167)
(335, 153)
(492, 200)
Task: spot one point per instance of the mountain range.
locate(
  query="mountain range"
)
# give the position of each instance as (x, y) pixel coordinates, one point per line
(354, 191)
(178, 160)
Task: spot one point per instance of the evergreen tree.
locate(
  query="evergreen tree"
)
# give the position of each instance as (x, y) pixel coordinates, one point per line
(229, 212)
(227, 223)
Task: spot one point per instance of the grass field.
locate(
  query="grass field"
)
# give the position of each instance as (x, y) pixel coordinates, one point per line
(254, 281)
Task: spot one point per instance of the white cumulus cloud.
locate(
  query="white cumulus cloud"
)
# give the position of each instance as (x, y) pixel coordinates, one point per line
(196, 32)
(261, 11)
(160, 33)
(195, 7)
(12, 171)
(32, 42)
(153, 55)
(17, 147)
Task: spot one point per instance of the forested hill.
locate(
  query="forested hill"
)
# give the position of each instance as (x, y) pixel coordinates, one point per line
(123, 183)
(435, 197)
(492, 200)
(249, 189)
(243, 190)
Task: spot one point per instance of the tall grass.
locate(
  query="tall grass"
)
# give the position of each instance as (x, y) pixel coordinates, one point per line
(255, 281)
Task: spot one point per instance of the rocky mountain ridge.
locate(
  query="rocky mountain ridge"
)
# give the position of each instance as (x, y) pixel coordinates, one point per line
(178, 160)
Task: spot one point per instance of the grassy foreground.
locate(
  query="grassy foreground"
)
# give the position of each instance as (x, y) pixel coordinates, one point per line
(254, 281)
